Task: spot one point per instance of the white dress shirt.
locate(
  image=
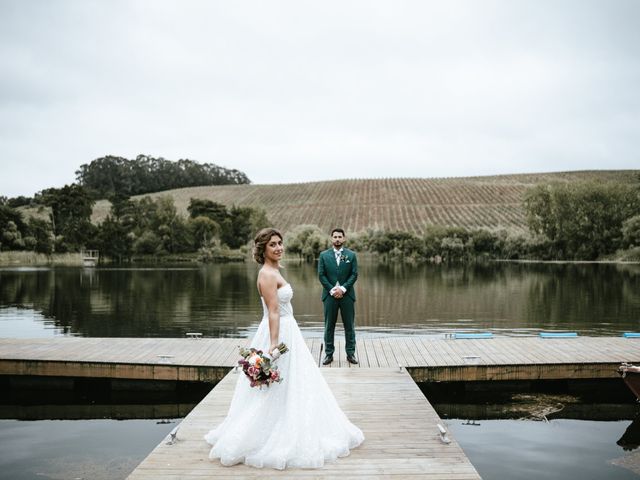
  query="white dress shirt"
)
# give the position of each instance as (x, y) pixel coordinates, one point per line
(337, 254)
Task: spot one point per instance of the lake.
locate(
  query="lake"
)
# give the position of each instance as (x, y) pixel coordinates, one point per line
(220, 300)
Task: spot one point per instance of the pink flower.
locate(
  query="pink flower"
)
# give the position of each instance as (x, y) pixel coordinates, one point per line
(257, 366)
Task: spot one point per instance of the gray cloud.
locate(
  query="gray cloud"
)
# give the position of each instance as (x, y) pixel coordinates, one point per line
(303, 91)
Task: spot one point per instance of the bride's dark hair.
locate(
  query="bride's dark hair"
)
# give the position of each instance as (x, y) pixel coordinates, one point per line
(260, 242)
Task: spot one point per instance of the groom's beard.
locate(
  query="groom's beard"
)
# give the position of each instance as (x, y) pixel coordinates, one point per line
(337, 245)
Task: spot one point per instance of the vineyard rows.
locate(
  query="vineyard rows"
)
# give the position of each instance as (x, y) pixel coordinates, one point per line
(390, 204)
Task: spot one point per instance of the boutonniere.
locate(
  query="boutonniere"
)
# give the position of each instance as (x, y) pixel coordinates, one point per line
(344, 258)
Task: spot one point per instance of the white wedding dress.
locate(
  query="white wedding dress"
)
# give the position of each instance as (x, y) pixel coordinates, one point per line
(294, 423)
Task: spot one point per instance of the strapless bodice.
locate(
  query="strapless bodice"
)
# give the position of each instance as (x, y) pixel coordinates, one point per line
(285, 294)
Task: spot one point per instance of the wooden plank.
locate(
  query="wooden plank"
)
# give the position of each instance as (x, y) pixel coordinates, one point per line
(420, 351)
(408, 352)
(431, 346)
(391, 354)
(401, 438)
(371, 354)
(383, 361)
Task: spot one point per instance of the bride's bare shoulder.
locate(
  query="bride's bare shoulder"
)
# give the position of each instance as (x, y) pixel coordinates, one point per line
(268, 277)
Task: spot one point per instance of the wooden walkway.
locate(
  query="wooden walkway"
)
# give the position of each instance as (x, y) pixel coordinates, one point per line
(400, 427)
(500, 358)
(378, 395)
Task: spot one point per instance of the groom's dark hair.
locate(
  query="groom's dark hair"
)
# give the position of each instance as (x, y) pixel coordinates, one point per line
(339, 230)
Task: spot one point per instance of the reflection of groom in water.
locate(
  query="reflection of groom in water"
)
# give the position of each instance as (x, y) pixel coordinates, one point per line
(338, 271)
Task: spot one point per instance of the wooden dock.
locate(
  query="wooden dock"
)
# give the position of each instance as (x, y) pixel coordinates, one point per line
(379, 395)
(426, 359)
(400, 427)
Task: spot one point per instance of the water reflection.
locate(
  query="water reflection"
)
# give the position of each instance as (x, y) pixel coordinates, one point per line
(559, 449)
(552, 429)
(221, 300)
(630, 439)
(67, 449)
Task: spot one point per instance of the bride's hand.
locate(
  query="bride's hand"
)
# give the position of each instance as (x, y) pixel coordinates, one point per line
(274, 352)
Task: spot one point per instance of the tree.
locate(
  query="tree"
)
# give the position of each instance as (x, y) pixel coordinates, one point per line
(258, 219)
(171, 228)
(19, 201)
(453, 248)
(12, 237)
(114, 241)
(206, 208)
(204, 231)
(147, 243)
(12, 228)
(42, 235)
(237, 228)
(306, 241)
(111, 175)
(631, 232)
(71, 208)
(582, 220)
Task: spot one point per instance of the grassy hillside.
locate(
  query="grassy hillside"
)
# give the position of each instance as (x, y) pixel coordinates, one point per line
(409, 204)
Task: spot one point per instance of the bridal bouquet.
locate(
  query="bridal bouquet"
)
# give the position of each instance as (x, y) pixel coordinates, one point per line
(258, 367)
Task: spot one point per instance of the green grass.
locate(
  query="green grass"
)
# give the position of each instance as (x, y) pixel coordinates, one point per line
(21, 258)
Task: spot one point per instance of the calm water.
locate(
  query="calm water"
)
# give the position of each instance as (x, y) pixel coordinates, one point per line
(551, 430)
(561, 449)
(100, 449)
(221, 300)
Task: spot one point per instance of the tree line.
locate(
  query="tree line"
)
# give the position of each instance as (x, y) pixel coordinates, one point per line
(133, 227)
(111, 176)
(154, 227)
(566, 221)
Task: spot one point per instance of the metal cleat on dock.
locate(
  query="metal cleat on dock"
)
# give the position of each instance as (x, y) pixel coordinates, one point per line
(165, 358)
(173, 436)
(443, 434)
(471, 359)
(194, 335)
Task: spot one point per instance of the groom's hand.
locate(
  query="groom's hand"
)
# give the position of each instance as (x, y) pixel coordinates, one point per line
(338, 293)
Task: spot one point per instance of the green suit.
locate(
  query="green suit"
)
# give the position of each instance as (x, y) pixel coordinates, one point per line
(345, 274)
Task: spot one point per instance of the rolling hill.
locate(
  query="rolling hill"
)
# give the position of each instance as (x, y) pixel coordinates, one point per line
(409, 204)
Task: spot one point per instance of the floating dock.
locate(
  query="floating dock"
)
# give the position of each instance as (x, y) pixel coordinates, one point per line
(426, 359)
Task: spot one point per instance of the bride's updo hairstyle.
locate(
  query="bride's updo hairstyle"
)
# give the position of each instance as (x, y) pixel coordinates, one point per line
(260, 243)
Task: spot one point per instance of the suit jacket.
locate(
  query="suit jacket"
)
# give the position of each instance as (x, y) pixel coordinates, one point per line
(330, 272)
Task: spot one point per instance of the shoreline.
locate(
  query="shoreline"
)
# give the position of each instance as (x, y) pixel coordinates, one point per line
(34, 259)
(622, 262)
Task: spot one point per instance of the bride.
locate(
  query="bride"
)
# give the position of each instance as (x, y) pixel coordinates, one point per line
(294, 423)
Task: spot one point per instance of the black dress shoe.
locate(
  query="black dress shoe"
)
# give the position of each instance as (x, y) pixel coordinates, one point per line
(352, 359)
(327, 360)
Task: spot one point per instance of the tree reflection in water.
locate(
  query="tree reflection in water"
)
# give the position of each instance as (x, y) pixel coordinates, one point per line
(221, 300)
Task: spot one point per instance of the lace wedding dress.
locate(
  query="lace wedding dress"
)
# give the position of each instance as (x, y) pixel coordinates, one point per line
(294, 423)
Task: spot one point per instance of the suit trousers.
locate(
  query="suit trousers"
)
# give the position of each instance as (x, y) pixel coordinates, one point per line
(346, 307)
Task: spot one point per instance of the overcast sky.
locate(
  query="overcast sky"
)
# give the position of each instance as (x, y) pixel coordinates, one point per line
(298, 91)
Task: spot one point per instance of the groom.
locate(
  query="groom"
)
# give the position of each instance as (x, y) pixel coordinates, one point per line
(338, 271)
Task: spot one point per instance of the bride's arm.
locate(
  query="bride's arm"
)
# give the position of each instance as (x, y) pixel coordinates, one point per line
(269, 288)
